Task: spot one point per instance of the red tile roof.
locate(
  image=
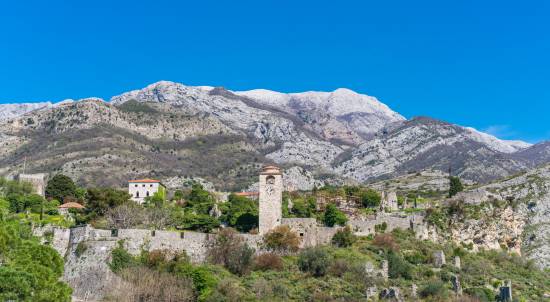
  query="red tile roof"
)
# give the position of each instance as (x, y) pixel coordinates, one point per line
(146, 180)
(71, 205)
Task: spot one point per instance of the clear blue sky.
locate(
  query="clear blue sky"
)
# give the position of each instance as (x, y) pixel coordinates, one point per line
(484, 64)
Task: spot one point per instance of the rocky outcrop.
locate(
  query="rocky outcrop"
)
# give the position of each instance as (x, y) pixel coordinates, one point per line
(513, 214)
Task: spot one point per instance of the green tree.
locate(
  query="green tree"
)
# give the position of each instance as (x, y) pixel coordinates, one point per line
(30, 270)
(99, 200)
(304, 208)
(333, 216)
(370, 198)
(344, 237)
(60, 187)
(315, 261)
(240, 212)
(199, 195)
(455, 186)
(200, 222)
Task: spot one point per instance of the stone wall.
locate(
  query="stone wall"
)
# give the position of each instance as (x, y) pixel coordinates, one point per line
(393, 221)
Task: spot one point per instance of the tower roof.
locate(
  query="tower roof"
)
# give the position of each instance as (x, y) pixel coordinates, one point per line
(271, 170)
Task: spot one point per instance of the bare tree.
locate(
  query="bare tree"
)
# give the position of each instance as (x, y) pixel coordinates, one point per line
(125, 216)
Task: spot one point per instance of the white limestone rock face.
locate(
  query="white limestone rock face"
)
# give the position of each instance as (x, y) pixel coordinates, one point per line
(330, 113)
(515, 215)
(424, 143)
(299, 179)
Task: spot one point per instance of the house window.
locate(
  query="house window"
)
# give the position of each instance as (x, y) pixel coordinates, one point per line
(135, 185)
(137, 194)
(114, 233)
(143, 185)
(147, 193)
(151, 186)
(301, 234)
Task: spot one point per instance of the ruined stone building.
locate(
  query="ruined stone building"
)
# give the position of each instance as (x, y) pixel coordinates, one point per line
(38, 182)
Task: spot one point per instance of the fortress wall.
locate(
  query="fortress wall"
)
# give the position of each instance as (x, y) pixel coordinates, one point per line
(253, 240)
(61, 239)
(362, 227)
(306, 228)
(367, 227)
(325, 234)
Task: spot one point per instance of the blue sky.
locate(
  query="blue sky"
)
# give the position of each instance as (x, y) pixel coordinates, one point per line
(484, 64)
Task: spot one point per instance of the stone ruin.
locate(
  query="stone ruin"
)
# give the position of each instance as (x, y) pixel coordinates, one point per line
(439, 259)
(457, 288)
(392, 294)
(456, 262)
(388, 201)
(382, 272)
(38, 182)
(505, 292)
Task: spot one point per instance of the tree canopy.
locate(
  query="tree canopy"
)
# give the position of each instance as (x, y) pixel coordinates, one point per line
(61, 187)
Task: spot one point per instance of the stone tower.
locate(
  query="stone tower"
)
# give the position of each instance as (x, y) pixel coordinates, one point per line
(271, 198)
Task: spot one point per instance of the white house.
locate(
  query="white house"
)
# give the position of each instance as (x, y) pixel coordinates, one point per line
(139, 189)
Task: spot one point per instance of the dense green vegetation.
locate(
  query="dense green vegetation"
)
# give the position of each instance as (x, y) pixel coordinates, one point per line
(29, 271)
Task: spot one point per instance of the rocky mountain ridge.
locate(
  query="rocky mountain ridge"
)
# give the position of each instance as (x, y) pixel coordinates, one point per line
(168, 129)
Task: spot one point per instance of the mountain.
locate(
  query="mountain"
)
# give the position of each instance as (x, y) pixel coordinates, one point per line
(425, 143)
(8, 111)
(168, 129)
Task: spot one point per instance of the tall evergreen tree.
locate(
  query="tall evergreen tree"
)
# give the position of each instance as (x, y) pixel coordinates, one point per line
(455, 186)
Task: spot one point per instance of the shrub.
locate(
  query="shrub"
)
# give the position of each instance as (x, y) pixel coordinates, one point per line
(344, 237)
(386, 241)
(434, 290)
(370, 198)
(268, 261)
(144, 284)
(282, 240)
(204, 280)
(398, 267)
(227, 291)
(381, 228)
(339, 267)
(315, 261)
(333, 216)
(154, 258)
(121, 259)
(231, 251)
(81, 247)
(479, 293)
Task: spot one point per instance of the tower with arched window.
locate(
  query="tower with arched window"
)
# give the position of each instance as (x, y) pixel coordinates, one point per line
(270, 199)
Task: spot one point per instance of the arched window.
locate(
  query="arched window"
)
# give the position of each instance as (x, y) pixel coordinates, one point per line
(137, 194)
(270, 180)
(147, 193)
